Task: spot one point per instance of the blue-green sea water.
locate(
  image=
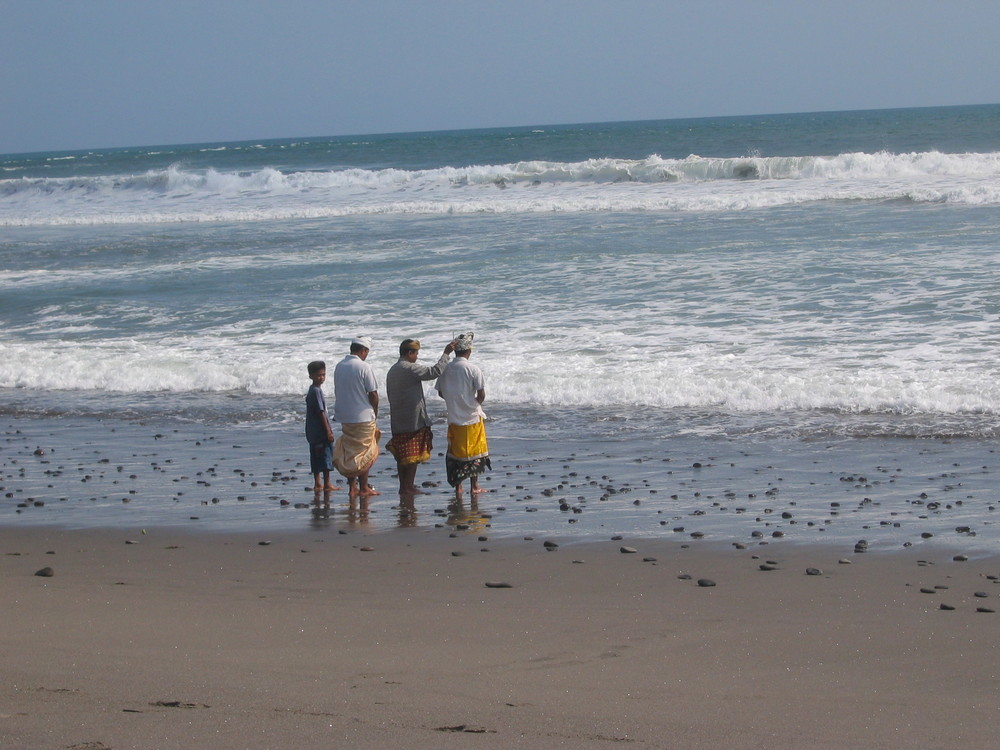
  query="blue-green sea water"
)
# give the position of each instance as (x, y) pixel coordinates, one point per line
(818, 276)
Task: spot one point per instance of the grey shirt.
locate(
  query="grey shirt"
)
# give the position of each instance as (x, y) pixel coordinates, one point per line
(405, 388)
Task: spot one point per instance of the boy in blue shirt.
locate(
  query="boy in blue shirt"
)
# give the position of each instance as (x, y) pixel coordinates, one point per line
(319, 433)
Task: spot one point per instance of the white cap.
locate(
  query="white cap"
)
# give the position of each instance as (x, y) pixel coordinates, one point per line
(364, 341)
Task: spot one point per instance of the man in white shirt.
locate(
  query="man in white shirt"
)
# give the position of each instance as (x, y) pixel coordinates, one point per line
(463, 389)
(356, 409)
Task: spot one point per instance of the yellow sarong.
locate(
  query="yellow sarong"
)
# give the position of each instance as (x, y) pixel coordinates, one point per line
(468, 454)
(356, 449)
(467, 441)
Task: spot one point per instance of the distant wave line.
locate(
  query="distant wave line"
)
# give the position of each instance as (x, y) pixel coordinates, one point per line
(652, 169)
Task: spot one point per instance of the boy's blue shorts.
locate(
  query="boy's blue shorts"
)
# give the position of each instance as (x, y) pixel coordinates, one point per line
(320, 457)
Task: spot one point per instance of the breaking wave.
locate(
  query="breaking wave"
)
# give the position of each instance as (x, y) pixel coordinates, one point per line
(695, 183)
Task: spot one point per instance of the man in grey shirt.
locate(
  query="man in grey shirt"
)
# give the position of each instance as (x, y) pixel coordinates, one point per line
(411, 441)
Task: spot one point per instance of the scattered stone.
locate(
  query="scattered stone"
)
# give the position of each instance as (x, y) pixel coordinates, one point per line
(814, 572)
(628, 550)
(178, 704)
(45, 572)
(367, 549)
(549, 545)
(928, 591)
(986, 610)
(706, 583)
(946, 607)
(768, 566)
(961, 558)
(498, 585)
(466, 728)
(457, 553)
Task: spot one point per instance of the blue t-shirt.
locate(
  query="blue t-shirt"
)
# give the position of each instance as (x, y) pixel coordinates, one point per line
(316, 420)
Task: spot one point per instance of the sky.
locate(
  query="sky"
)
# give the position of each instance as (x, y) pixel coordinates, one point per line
(78, 74)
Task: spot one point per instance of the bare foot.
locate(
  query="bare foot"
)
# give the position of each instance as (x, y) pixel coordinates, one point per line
(330, 488)
(478, 490)
(370, 492)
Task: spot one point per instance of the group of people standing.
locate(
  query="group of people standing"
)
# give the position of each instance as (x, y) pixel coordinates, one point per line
(356, 405)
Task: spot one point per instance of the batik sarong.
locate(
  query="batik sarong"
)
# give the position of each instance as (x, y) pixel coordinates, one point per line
(356, 449)
(411, 447)
(468, 453)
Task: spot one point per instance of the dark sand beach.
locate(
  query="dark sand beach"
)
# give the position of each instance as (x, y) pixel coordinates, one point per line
(278, 626)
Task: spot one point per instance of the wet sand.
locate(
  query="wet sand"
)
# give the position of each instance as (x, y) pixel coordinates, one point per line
(931, 494)
(434, 628)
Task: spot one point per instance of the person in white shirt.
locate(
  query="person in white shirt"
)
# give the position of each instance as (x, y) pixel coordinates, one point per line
(463, 389)
(356, 409)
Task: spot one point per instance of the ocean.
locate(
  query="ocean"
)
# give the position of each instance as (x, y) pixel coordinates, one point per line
(748, 283)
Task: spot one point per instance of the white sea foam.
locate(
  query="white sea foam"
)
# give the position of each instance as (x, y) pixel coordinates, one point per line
(692, 377)
(594, 185)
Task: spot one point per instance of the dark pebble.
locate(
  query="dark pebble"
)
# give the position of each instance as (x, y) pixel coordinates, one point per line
(45, 572)
(706, 583)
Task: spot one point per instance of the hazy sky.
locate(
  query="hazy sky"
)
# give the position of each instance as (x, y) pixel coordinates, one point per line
(98, 73)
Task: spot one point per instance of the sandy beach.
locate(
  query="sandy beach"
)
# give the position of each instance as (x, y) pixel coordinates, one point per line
(430, 629)
(180, 640)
